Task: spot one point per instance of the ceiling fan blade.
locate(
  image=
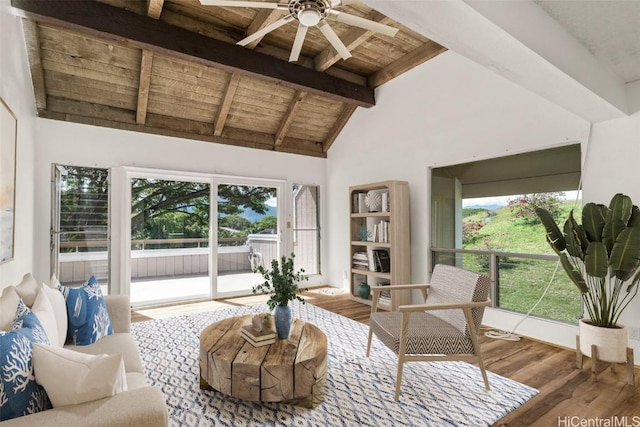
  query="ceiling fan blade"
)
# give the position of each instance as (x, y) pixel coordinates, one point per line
(233, 3)
(260, 33)
(334, 39)
(367, 24)
(338, 3)
(297, 43)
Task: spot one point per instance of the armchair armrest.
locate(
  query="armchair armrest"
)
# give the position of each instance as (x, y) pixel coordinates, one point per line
(425, 307)
(119, 309)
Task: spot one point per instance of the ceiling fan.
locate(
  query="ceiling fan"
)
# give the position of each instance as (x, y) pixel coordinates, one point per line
(308, 13)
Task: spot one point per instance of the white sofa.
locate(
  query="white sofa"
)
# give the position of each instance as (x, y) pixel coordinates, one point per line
(140, 405)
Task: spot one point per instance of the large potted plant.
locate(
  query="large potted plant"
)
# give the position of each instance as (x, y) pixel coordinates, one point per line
(601, 256)
(281, 282)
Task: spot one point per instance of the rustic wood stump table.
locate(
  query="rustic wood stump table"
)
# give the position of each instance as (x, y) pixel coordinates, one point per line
(290, 371)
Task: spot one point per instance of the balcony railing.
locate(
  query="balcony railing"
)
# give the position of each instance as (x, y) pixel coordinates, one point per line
(519, 280)
(171, 259)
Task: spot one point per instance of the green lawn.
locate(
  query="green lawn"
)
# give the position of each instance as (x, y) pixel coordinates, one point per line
(522, 281)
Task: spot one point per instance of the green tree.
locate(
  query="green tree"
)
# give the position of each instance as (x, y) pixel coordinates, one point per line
(266, 225)
(234, 222)
(84, 196)
(160, 209)
(525, 206)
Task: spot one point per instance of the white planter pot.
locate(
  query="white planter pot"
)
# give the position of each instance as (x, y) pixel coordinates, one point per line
(611, 342)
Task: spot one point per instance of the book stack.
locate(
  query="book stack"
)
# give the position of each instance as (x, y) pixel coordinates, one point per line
(385, 296)
(381, 260)
(360, 261)
(258, 339)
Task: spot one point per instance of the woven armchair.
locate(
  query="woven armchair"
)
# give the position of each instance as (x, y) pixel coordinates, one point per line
(445, 327)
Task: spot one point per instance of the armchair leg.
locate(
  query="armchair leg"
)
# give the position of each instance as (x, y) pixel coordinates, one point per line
(484, 373)
(369, 341)
(399, 377)
(476, 346)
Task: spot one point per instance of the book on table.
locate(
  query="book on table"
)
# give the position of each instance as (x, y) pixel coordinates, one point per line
(257, 338)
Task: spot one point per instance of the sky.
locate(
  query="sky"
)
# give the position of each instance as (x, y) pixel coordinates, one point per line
(502, 200)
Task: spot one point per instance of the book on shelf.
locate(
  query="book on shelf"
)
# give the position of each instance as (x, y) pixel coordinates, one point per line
(381, 260)
(372, 264)
(385, 296)
(360, 260)
(362, 205)
(257, 338)
(385, 201)
(384, 300)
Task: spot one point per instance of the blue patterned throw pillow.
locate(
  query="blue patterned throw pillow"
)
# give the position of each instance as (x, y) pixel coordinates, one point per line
(89, 319)
(19, 393)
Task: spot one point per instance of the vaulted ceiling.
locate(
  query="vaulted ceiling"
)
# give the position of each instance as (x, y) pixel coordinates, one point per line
(173, 68)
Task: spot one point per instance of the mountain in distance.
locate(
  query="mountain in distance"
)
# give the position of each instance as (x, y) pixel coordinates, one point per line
(492, 207)
(253, 216)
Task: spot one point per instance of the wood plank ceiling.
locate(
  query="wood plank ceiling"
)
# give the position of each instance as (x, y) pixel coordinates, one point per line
(171, 67)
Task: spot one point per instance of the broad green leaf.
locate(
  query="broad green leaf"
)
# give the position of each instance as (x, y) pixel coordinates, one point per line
(634, 221)
(596, 261)
(554, 235)
(573, 237)
(593, 219)
(574, 274)
(625, 255)
(610, 233)
(621, 208)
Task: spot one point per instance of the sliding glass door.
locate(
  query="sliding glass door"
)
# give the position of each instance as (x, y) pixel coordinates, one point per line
(170, 253)
(248, 233)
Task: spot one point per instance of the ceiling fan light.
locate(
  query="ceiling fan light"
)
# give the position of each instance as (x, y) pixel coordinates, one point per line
(309, 17)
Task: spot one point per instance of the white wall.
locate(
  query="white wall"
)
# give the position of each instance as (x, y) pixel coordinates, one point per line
(612, 167)
(447, 111)
(16, 91)
(82, 145)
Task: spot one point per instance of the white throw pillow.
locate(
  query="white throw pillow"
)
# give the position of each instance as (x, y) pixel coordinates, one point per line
(44, 310)
(59, 309)
(27, 289)
(8, 306)
(70, 377)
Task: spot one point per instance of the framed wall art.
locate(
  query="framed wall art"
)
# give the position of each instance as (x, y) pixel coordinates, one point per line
(8, 138)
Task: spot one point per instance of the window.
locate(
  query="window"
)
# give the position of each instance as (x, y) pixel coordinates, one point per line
(482, 220)
(80, 225)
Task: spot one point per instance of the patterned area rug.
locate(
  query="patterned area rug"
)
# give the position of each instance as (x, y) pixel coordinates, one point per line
(359, 391)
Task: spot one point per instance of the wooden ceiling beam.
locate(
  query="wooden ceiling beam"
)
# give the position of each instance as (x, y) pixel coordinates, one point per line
(223, 111)
(412, 59)
(289, 116)
(30, 30)
(262, 19)
(340, 123)
(146, 63)
(353, 38)
(147, 33)
(154, 8)
(119, 118)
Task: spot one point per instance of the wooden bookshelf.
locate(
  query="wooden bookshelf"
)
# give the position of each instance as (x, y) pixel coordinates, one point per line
(387, 229)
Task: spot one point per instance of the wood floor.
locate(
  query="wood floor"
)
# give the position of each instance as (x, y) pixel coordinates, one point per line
(565, 392)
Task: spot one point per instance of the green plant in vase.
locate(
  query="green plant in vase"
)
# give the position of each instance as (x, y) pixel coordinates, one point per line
(281, 283)
(601, 256)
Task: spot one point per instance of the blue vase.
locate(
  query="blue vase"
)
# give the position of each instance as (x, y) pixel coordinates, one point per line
(282, 317)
